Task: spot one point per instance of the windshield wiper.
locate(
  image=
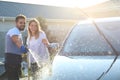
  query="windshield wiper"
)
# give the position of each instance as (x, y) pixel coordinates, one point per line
(114, 50)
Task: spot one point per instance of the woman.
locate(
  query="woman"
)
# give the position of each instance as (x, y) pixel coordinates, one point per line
(37, 44)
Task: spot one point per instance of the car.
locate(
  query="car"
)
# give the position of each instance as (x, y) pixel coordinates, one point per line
(91, 51)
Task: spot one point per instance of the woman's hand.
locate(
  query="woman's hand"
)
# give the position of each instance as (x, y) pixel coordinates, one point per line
(45, 42)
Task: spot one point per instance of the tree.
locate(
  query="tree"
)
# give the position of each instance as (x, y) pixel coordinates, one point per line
(43, 23)
(44, 27)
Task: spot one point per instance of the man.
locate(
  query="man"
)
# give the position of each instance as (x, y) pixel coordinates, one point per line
(14, 48)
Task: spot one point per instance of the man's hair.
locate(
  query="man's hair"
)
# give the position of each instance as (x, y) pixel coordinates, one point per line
(20, 16)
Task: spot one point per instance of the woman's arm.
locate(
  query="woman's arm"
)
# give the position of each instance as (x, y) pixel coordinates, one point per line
(45, 42)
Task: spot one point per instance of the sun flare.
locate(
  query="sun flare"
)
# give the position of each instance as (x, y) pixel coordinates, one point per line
(62, 3)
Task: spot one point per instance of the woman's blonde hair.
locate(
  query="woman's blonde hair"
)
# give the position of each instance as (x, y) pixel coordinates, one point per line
(38, 30)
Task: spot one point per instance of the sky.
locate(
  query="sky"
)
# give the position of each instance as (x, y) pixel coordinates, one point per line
(62, 3)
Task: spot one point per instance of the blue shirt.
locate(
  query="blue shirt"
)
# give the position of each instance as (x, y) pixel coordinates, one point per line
(10, 46)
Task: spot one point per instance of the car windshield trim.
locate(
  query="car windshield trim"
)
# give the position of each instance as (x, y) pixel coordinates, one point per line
(114, 50)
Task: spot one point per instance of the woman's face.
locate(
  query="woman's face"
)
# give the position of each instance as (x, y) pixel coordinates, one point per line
(33, 27)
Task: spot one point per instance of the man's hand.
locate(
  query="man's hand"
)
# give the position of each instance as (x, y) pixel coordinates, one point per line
(23, 49)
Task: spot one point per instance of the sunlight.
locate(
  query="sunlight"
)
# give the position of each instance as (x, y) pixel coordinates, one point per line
(90, 19)
(62, 3)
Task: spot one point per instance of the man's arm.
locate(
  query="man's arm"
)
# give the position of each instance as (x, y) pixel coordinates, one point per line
(16, 40)
(19, 44)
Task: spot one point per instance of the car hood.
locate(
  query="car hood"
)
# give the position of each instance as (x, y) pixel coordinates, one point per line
(85, 68)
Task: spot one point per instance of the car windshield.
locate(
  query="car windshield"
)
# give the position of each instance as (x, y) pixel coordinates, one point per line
(85, 40)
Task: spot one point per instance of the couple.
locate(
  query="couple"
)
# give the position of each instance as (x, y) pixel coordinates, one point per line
(14, 47)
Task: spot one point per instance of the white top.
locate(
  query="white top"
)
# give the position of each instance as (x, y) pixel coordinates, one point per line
(39, 51)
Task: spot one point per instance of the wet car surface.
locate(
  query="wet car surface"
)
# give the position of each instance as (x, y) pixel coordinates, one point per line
(90, 52)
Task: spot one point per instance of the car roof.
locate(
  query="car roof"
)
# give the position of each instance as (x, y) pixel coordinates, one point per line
(89, 20)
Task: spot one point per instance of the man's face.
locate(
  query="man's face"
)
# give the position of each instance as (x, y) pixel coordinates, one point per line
(21, 24)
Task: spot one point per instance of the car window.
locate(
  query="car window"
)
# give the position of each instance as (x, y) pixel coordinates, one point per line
(86, 41)
(112, 32)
